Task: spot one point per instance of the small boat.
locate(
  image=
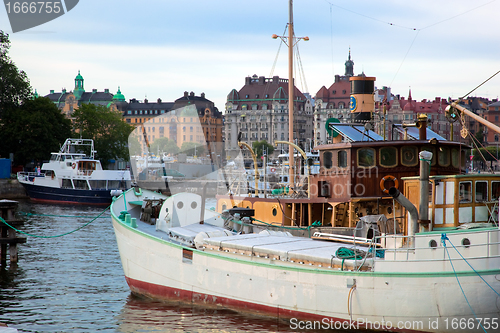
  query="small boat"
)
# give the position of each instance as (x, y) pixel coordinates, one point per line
(72, 176)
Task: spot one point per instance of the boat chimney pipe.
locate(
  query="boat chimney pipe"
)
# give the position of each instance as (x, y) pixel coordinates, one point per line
(422, 126)
(412, 210)
(425, 168)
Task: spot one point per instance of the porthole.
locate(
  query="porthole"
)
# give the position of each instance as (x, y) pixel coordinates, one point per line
(466, 242)
(194, 205)
(433, 244)
(180, 204)
(389, 210)
(275, 212)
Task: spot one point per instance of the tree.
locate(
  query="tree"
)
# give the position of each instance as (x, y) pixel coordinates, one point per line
(33, 131)
(107, 129)
(188, 148)
(260, 146)
(14, 84)
(164, 145)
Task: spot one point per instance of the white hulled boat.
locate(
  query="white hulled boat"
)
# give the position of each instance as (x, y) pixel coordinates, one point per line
(74, 177)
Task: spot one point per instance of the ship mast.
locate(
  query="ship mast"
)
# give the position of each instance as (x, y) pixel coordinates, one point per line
(291, 164)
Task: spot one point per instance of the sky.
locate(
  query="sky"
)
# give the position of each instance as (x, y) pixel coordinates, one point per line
(160, 48)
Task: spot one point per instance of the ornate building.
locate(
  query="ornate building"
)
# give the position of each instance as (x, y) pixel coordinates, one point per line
(68, 102)
(259, 111)
(332, 102)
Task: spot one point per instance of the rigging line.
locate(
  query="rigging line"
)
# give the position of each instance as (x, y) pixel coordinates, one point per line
(266, 88)
(405, 27)
(331, 42)
(450, 18)
(302, 74)
(470, 92)
(404, 58)
(475, 142)
(370, 17)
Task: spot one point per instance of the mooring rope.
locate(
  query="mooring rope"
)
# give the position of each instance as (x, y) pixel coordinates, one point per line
(55, 236)
(444, 238)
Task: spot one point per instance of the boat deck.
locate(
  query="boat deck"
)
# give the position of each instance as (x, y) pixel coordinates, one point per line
(275, 246)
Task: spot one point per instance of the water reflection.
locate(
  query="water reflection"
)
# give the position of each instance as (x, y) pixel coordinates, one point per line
(75, 284)
(143, 315)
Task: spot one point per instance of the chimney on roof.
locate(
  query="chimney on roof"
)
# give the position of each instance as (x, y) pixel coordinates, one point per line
(145, 100)
(158, 100)
(64, 90)
(94, 91)
(191, 94)
(337, 78)
(262, 79)
(52, 91)
(106, 91)
(185, 94)
(276, 79)
(202, 95)
(248, 80)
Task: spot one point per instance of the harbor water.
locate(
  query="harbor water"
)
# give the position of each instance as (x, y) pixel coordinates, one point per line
(75, 283)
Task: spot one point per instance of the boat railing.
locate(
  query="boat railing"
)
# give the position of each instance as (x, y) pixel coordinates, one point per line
(474, 244)
(29, 176)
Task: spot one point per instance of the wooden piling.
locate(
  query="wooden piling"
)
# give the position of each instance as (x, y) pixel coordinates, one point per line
(7, 234)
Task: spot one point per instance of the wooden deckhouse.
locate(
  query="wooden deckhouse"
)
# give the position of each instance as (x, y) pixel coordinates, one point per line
(355, 173)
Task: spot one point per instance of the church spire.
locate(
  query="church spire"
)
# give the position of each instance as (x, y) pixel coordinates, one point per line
(349, 65)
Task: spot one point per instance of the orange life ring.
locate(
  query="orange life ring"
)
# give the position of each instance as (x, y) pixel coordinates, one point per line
(273, 169)
(388, 177)
(73, 165)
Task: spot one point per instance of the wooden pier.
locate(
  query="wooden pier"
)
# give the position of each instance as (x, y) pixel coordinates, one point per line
(7, 234)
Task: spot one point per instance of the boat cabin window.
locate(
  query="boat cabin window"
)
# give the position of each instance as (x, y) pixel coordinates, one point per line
(342, 159)
(455, 158)
(86, 165)
(444, 156)
(81, 184)
(97, 184)
(409, 156)
(434, 155)
(366, 157)
(327, 159)
(481, 191)
(388, 157)
(465, 192)
(495, 190)
(66, 183)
